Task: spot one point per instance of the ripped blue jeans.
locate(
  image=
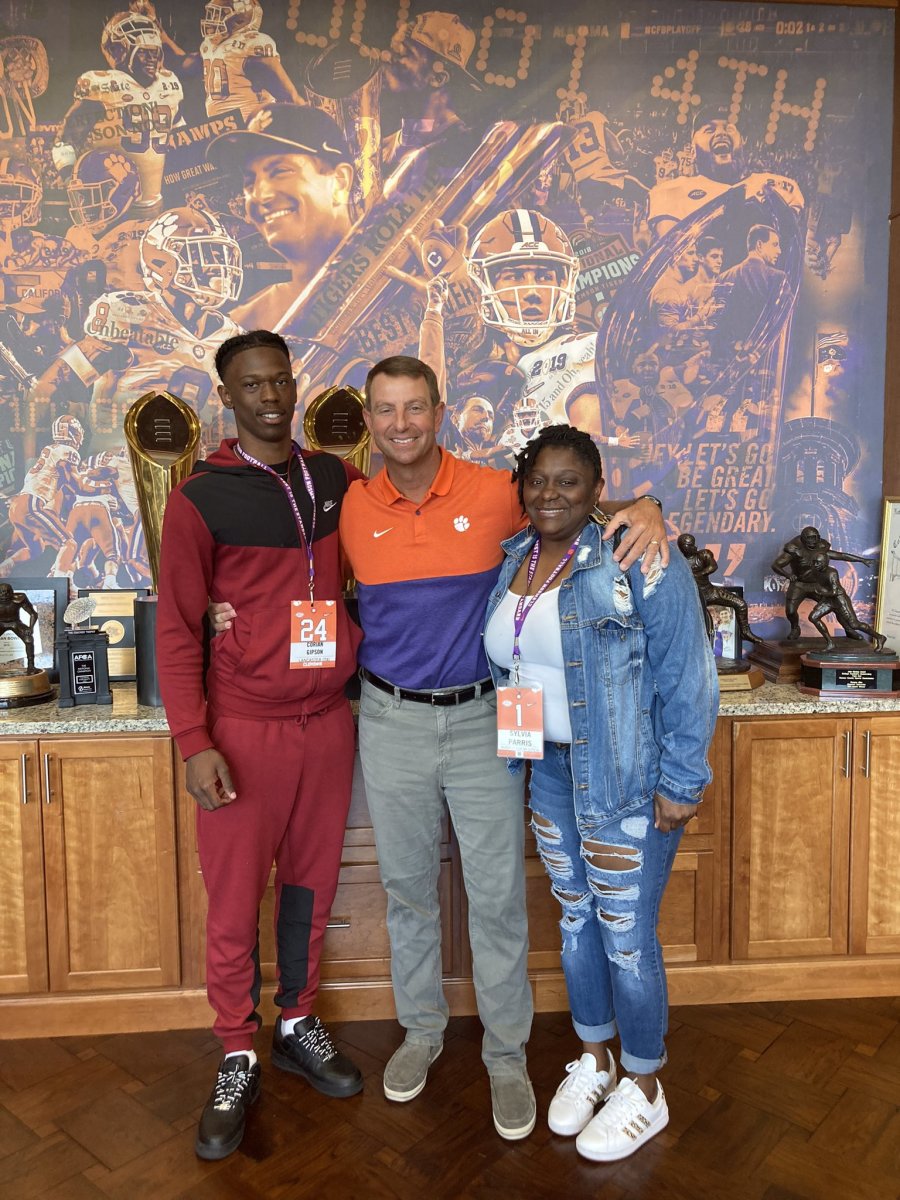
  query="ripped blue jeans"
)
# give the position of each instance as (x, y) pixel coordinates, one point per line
(611, 956)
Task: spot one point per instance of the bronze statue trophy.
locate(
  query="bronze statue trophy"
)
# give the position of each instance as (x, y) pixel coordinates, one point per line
(848, 666)
(163, 436)
(735, 672)
(21, 686)
(804, 562)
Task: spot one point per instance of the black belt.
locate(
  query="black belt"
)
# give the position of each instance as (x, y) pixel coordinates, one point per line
(442, 698)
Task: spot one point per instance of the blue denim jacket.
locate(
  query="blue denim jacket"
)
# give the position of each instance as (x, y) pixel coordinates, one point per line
(640, 677)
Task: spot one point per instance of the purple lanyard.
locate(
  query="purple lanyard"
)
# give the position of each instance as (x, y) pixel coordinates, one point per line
(526, 603)
(306, 543)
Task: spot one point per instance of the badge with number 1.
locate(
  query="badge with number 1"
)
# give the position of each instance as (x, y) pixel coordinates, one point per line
(313, 634)
(520, 721)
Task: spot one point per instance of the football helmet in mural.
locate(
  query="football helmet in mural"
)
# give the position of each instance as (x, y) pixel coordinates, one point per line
(188, 250)
(128, 34)
(103, 186)
(20, 193)
(67, 430)
(223, 20)
(526, 271)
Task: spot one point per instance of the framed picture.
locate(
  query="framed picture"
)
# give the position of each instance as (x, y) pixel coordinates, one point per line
(114, 614)
(726, 642)
(49, 597)
(887, 613)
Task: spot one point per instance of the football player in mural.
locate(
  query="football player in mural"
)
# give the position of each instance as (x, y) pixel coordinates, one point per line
(719, 167)
(39, 511)
(241, 66)
(526, 271)
(594, 165)
(297, 177)
(168, 332)
(427, 81)
(131, 107)
(102, 188)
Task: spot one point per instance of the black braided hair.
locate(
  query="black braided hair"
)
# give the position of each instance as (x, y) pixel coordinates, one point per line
(563, 437)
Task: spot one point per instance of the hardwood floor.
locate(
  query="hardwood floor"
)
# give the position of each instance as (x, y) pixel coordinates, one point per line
(767, 1102)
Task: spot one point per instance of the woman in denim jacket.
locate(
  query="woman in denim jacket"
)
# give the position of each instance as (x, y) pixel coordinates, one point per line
(629, 698)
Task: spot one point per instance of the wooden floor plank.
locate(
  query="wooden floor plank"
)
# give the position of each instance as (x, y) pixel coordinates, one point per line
(786, 1101)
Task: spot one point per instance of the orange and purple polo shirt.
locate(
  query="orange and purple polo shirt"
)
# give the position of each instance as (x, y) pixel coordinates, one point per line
(424, 571)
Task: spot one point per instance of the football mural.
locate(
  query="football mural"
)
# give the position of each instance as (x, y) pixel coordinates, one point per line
(666, 224)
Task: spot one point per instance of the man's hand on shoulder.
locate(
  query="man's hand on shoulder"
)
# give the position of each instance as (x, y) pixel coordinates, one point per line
(645, 531)
(208, 779)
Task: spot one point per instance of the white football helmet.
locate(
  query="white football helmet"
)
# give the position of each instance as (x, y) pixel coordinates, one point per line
(127, 33)
(524, 242)
(67, 430)
(188, 250)
(222, 20)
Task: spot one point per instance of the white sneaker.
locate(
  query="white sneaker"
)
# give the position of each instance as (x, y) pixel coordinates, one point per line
(579, 1094)
(623, 1124)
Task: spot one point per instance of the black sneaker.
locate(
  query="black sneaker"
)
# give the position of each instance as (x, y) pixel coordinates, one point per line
(222, 1123)
(310, 1052)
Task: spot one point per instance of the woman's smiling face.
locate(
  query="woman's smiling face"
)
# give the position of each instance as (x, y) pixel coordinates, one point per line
(559, 493)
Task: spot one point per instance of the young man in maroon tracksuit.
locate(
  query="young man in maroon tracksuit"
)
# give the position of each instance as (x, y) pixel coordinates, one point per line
(267, 735)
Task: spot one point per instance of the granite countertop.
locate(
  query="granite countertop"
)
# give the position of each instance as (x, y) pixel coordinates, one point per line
(784, 699)
(125, 715)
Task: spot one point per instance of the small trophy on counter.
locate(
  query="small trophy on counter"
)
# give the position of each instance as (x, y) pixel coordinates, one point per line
(21, 686)
(849, 665)
(735, 672)
(83, 658)
(781, 661)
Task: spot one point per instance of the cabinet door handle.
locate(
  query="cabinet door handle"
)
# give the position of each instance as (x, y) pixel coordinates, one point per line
(847, 754)
(867, 743)
(47, 792)
(24, 764)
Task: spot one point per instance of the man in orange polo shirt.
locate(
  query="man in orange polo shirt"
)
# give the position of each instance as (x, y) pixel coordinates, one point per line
(423, 541)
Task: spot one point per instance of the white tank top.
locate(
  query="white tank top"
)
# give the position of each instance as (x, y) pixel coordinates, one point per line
(542, 656)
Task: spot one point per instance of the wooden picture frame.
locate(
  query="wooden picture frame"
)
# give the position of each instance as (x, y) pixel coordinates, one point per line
(50, 597)
(724, 621)
(887, 609)
(114, 614)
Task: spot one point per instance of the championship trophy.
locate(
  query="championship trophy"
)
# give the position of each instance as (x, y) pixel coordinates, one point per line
(163, 435)
(21, 686)
(334, 422)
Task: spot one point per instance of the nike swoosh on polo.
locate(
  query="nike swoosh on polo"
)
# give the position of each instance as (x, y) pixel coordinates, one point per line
(328, 505)
(381, 532)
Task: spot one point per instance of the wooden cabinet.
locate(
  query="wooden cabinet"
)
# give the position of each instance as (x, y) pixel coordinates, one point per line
(875, 837)
(23, 927)
(98, 909)
(356, 941)
(691, 928)
(816, 841)
(785, 885)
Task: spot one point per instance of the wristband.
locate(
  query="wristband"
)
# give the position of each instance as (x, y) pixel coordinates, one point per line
(656, 500)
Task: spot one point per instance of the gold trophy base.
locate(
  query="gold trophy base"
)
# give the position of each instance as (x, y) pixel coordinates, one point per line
(23, 688)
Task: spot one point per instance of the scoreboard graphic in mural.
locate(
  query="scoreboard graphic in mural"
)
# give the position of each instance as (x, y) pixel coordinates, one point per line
(664, 224)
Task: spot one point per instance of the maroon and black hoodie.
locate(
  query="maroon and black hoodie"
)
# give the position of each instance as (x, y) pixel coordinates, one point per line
(229, 534)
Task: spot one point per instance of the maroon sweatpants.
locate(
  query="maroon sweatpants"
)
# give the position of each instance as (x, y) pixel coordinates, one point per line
(292, 778)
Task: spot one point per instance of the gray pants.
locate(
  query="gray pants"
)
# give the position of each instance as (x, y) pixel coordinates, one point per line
(416, 758)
